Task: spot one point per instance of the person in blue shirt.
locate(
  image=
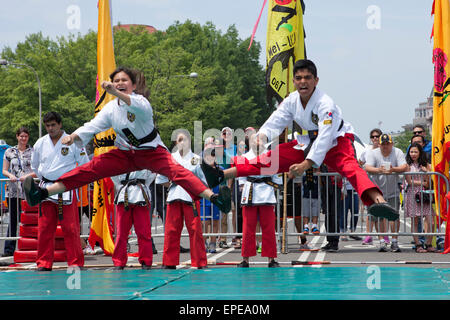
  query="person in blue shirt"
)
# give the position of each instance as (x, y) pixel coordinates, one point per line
(420, 130)
(229, 151)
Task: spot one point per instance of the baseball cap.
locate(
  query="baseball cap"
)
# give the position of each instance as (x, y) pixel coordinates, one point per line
(227, 129)
(385, 138)
(249, 129)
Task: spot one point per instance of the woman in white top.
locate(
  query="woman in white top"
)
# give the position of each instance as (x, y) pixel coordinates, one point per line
(139, 147)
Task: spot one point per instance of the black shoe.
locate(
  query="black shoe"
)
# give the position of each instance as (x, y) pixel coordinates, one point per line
(168, 267)
(184, 250)
(7, 254)
(243, 264)
(33, 193)
(223, 199)
(330, 247)
(213, 174)
(146, 267)
(383, 210)
(43, 269)
(358, 238)
(273, 264)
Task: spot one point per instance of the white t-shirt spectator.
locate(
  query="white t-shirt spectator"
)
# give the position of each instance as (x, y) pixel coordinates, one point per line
(387, 183)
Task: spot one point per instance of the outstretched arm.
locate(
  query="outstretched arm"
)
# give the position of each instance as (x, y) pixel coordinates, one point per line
(109, 87)
(71, 138)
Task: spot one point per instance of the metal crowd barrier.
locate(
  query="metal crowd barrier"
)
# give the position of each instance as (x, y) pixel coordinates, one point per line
(330, 206)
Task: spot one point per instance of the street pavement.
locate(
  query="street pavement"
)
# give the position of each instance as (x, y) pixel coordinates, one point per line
(350, 253)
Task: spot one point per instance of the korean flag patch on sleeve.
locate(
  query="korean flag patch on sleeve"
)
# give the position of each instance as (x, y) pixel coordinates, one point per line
(328, 118)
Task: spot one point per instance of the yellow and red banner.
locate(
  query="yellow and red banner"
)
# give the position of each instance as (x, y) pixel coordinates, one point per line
(285, 45)
(441, 105)
(103, 206)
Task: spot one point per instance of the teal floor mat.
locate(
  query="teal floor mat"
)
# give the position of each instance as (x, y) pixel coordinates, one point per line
(339, 283)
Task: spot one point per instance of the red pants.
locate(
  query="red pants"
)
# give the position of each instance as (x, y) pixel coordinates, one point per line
(266, 216)
(174, 225)
(70, 225)
(340, 158)
(139, 216)
(116, 161)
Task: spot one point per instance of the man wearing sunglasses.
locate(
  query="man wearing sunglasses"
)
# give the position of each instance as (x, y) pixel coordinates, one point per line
(419, 130)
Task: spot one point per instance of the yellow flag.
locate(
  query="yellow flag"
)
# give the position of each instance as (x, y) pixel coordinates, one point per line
(285, 45)
(441, 107)
(103, 208)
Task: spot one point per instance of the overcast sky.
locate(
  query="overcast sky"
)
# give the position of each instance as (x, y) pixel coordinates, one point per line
(373, 56)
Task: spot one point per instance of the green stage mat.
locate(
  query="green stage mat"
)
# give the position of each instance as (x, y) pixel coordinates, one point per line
(339, 283)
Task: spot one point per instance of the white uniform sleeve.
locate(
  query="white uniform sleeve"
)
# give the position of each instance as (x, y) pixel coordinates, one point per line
(81, 156)
(139, 105)
(279, 119)
(35, 158)
(329, 122)
(199, 173)
(100, 123)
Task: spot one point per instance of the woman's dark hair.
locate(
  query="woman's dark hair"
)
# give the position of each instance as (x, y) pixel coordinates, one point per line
(141, 84)
(422, 160)
(128, 71)
(22, 129)
(52, 115)
(375, 130)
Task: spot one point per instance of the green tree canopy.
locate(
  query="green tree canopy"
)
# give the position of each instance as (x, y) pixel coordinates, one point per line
(229, 91)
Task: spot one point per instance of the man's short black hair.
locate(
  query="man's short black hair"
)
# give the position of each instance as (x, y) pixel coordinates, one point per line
(306, 64)
(418, 136)
(419, 126)
(52, 115)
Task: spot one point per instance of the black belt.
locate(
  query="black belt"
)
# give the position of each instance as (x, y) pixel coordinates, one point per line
(60, 199)
(133, 182)
(267, 180)
(312, 134)
(137, 142)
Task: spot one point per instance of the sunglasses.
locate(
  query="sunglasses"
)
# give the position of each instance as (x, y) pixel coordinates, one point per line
(418, 132)
(371, 137)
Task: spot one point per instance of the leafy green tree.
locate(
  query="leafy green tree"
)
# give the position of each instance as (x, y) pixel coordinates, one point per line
(229, 90)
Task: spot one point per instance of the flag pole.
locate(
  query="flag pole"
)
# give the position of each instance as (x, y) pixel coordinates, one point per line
(285, 179)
